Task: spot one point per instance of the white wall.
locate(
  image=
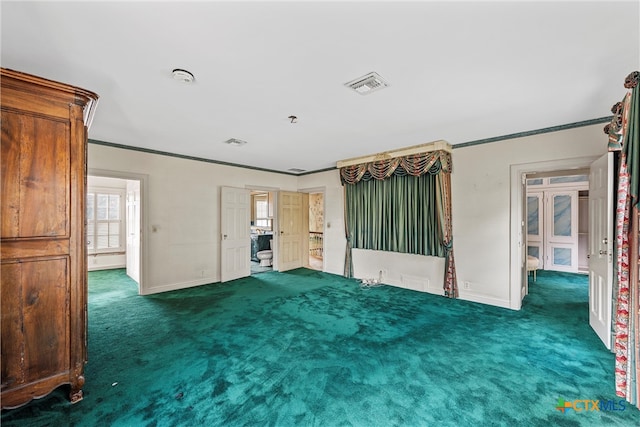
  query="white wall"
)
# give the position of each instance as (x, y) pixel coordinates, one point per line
(182, 212)
(481, 189)
(409, 271)
(183, 199)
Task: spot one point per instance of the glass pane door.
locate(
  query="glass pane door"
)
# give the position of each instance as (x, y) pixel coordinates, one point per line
(562, 236)
(535, 226)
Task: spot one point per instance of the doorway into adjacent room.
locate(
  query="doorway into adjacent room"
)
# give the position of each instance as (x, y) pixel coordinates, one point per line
(114, 223)
(557, 220)
(598, 202)
(262, 227)
(519, 220)
(316, 231)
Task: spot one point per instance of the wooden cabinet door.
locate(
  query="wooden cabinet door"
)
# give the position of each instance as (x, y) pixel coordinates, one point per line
(43, 262)
(36, 179)
(35, 340)
(36, 235)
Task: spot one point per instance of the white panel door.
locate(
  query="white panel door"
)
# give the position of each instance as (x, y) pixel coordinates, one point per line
(235, 226)
(292, 230)
(601, 247)
(561, 230)
(132, 226)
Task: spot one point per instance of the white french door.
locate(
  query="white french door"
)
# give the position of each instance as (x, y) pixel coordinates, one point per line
(235, 246)
(561, 232)
(535, 225)
(601, 247)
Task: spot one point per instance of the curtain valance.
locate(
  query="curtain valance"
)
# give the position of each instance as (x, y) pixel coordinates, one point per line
(419, 164)
(618, 127)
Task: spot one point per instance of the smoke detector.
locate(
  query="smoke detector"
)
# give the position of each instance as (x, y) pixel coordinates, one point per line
(235, 142)
(182, 75)
(368, 83)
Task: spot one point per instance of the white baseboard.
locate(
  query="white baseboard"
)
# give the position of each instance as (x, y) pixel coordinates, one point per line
(466, 296)
(176, 286)
(482, 299)
(423, 286)
(105, 267)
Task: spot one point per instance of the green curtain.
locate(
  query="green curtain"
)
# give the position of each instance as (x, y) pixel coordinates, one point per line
(397, 214)
(627, 329)
(401, 204)
(631, 146)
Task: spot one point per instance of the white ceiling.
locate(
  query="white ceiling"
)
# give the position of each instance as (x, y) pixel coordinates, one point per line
(459, 71)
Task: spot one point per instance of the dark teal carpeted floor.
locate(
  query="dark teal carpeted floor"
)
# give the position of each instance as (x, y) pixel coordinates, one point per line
(307, 348)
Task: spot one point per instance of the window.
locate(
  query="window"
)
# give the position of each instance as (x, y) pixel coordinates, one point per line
(261, 206)
(569, 179)
(105, 225)
(578, 180)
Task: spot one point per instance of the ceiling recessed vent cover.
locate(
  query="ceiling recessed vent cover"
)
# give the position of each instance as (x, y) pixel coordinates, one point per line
(369, 83)
(235, 142)
(296, 170)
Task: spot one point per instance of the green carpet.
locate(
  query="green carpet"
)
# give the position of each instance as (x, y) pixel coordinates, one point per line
(306, 348)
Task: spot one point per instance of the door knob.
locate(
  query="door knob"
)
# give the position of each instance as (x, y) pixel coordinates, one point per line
(603, 252)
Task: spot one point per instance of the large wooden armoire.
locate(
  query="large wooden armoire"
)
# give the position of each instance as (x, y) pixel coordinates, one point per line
(43, 284)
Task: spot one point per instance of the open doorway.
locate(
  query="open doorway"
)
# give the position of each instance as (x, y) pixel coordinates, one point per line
(279, 230)
(557, 221)
(597, 231)
(316, 231)
(114, 223)
(600, 234)
(518, 222)
(262, 231)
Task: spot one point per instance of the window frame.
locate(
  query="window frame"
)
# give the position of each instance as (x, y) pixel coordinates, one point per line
(262, 222)
(95, 222)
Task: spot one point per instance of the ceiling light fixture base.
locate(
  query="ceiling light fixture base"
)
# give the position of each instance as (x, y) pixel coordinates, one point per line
(182, 75)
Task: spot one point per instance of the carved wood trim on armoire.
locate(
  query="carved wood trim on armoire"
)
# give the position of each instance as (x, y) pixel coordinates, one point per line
(43, 283)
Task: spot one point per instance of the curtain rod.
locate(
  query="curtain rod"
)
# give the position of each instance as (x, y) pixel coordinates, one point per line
(414, 149)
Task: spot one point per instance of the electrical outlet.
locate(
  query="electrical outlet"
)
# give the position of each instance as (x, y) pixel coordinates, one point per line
(466, 285)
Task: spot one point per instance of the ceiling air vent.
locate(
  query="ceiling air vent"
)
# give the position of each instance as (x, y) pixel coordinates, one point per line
(235, 142)
(296, 170)
(368, 83)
